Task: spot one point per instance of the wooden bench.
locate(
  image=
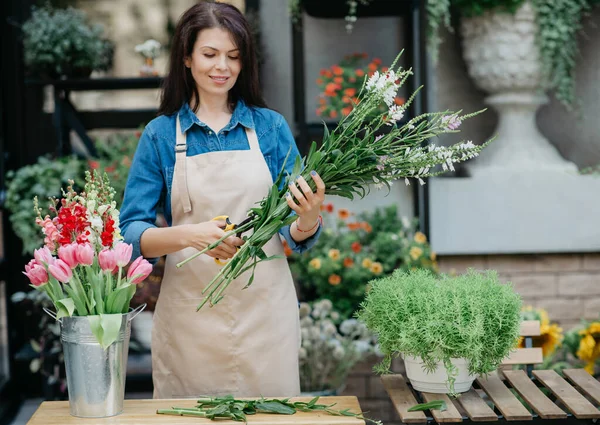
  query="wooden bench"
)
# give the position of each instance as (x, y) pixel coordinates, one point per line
(572, 401)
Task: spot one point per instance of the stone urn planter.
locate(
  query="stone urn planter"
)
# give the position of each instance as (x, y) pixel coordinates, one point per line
(503, 59)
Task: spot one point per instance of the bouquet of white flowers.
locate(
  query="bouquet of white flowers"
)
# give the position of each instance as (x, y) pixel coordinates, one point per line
(360, 151)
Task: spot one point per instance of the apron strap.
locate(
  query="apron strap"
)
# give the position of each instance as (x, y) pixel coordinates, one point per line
(180, 171)
(252, 139)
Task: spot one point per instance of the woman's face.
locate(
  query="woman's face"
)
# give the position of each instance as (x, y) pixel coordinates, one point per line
(215, 62)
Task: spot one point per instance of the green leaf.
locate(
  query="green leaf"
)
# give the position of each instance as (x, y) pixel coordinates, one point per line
(432, 405)
(118, 301)
(274, 407)
(105, 328)
(65, 308)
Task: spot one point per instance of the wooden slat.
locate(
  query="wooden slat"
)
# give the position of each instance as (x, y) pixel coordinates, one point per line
(504, 399)
(533, 396)
(402, 398)
(530, 328)
(585, 382)
(569, 396)
(477, 409)
(451, 414)
(525, 356)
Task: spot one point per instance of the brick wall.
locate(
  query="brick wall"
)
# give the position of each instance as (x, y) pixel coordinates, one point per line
(565, 285)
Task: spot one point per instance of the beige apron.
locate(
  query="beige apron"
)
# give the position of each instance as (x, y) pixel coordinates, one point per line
(247, 344)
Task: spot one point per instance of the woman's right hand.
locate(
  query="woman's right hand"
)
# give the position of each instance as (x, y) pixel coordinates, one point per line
(203, 234)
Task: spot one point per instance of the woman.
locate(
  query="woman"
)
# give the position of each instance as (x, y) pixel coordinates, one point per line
(214, 150)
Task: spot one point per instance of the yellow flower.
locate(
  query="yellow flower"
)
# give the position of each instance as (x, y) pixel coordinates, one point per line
(315, 263)
(433, 255)
(551, 337)
(415, 253)
(376, 268)
(420, 238)
(334, 254)
(367, 263)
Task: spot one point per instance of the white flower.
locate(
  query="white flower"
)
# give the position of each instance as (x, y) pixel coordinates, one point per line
(96, 223)
(302, 353)
(396, 113)
(304, 309)
(348, 326)
(102, 209)
(338, 353)
(362, 347)
(149, 48)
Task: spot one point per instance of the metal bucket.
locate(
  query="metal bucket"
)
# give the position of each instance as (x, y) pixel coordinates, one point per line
(95, 376)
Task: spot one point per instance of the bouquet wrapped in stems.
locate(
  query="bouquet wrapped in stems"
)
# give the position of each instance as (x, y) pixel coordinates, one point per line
(364, 149)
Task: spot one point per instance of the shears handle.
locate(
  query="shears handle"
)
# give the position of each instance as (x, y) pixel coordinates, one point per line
(229, 226)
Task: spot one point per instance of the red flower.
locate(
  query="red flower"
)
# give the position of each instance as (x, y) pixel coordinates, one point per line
(356, 247)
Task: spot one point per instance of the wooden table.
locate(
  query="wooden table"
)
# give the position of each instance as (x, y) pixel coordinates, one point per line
(573, 401)
(144, 412)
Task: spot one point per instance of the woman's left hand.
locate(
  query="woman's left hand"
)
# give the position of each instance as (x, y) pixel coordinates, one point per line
(305, 202)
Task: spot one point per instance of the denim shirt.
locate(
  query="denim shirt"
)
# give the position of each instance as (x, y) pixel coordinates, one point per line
(151, 174)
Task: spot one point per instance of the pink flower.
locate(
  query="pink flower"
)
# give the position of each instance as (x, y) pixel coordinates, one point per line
(68, 253)
(50, 231)
(107, 260)
(139, 270)
(123, 253)
(60, 271)
(36, 273)
(43, 256)
(85, 254)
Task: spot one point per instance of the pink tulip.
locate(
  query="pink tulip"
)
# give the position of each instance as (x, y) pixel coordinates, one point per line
(85, 254)
(43, 255)
(123, 253)
(60, 271)
(68, 253)
(36, 273)
(139, 270)
(107, 260)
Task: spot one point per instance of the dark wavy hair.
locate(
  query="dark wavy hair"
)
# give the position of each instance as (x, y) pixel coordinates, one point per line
(179, 85)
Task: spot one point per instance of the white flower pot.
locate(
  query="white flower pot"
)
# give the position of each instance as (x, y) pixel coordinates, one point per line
(503, 59)
(436, 382)
(142, 328)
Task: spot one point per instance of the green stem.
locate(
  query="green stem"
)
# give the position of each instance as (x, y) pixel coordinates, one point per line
(216, 243)
(181, 412)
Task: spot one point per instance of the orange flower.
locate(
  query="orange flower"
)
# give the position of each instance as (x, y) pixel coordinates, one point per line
(384, 69)
(420, 238)
(323, 72)
(322, 101)
(286, 249)
(346, 111)
(334, 254)
(359, 73)
(348, 262)
(319, 81)
(366, 227)
(320, 111)
(399, 101)
(331, 88)
(376, 268)
(356, 247)
(334, 279)
(343, 213)
(327, 207)
(415, 253)
(333, 114)
(377, 61)
(338, 80)
(352, 79)
(350, 92)
(328, 74)
(372, 66)
(354, 226)
(337, 70)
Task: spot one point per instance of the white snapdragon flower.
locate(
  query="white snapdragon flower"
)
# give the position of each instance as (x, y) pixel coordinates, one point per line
(396, 113)
(96, 223)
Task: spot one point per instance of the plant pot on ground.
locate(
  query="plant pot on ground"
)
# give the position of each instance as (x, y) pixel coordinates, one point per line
(439, 319)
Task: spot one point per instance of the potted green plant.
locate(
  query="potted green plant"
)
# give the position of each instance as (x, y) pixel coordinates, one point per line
(448, 329)
(44, 180)
(60, 43)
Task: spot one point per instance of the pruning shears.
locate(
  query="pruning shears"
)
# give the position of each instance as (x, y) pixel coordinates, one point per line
(229, 226)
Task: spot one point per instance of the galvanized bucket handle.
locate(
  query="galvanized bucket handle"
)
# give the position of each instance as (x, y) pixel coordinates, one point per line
(136, 311)
(52, 314)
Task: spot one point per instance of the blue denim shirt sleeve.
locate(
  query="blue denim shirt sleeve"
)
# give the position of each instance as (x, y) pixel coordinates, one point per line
(285, 143)
(145, 185)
